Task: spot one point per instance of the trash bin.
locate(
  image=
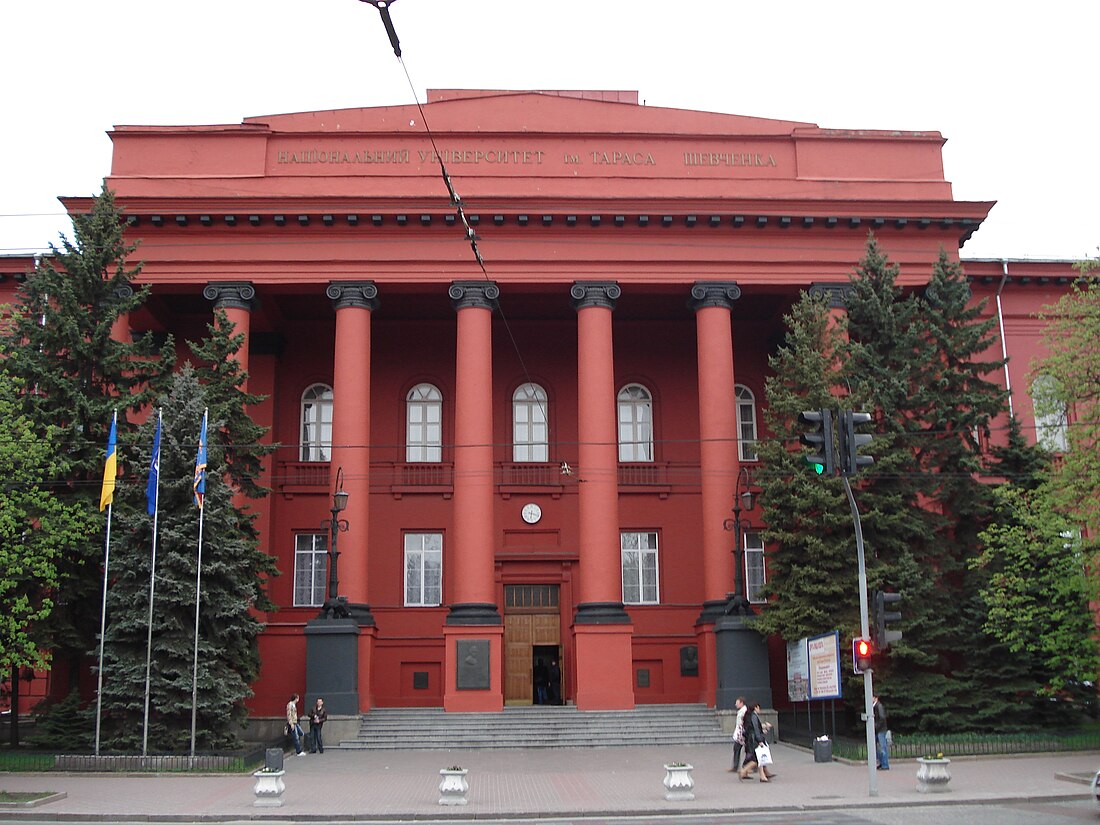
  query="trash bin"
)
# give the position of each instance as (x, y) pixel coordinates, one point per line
(823, 750)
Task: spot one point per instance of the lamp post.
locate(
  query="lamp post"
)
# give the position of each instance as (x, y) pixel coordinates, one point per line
(743, 501)
(335, 605)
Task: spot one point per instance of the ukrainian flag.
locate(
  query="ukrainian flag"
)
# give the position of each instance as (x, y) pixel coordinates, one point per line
(110, 467)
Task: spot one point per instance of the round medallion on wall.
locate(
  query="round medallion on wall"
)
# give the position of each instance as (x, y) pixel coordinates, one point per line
(531, 513)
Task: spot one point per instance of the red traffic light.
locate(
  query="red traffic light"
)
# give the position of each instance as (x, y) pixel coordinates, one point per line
(862, 652)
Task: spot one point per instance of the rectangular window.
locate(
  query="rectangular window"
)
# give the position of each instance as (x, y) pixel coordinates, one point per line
(423, 569)
(310, 569)
(529, 437)
(639, 561)
(755, 570)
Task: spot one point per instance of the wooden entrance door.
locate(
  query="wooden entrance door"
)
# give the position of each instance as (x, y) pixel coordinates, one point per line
(531, 619)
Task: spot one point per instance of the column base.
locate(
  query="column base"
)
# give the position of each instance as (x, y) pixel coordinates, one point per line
(601, 613)
(474, 613)
(742, 655)
(605, 672)
(473, 667)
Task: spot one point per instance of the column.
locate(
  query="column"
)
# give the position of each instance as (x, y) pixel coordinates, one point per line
(340, 641)
(237, 299)
(120, 329)
(474, 632)
(353, 301)
(601, 627)
(718, 462)
(837, 296)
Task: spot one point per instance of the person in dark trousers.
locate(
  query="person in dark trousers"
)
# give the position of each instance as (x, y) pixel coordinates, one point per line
(882, 744)
(293, 729)
(317, 718)
(542, 683)
(738, 733)
(555, 683)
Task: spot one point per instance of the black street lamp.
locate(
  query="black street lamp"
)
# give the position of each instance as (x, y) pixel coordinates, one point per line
(336, 605)
(743, 501)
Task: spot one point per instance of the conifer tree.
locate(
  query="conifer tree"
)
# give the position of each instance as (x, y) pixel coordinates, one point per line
(75, 376)
(233, 571)
(811, 567)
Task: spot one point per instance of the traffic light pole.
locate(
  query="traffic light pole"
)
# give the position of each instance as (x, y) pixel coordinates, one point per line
(865, 631)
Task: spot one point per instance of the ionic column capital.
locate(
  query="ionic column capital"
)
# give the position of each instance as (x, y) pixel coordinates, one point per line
(361, 294)
(480, 294)
(231, 295)
(595, 294)
(713, 294)
(837, 294)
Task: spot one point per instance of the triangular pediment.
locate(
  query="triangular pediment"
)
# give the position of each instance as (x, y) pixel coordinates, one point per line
(515, 112)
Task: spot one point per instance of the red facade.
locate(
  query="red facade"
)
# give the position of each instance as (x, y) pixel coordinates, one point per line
(637, 265)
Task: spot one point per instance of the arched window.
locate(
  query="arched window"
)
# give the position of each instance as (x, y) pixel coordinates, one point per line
(316, 418)
(1050, 414)
(635, 423)
(746, 423)
(424, 424)
(530, 433)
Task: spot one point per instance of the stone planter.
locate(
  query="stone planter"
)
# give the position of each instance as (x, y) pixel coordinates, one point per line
(269, 789)
(679, 786)
(453, 787)
(933, 775)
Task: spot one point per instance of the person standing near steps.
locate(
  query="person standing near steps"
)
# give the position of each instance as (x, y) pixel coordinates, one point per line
(317, 718)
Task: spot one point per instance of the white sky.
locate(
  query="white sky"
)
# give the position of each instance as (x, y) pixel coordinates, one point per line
(1011, 85)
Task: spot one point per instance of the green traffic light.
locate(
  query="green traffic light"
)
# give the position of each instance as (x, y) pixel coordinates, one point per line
(815, 466)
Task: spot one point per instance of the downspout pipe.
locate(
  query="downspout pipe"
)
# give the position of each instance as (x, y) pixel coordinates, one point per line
(1004, 344)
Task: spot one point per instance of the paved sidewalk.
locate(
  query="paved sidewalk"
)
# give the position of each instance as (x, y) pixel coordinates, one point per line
(374, 785)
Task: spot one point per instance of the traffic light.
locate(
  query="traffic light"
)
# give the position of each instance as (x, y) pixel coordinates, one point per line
(881, 617)
(851, 441)
(862, 652)
(819, 439)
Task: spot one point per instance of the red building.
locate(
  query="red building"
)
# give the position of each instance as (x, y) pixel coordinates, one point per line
(539, 452)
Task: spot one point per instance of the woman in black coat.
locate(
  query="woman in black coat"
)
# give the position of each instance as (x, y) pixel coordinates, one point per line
(754, 736)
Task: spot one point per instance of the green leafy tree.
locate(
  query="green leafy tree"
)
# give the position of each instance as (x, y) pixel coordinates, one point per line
(1037, 597)
(75, 375)
(233, 571)
(35, 528)
(1072, 390)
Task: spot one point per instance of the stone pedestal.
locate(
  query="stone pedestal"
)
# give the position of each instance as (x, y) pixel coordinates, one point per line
(679, 784)
(933, 775)
(332, 665)
(742, 658)
(268, 789)
(453, 787)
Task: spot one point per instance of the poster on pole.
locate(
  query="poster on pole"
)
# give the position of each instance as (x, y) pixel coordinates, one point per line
(798, 671)
(823, 656)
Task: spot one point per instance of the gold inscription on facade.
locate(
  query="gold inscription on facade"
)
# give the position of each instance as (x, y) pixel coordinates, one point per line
(622, 158)
(335, 156)
(728, 159)
(513, 156)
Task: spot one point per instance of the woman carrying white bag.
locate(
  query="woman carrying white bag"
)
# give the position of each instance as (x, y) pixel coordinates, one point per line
(756, 745)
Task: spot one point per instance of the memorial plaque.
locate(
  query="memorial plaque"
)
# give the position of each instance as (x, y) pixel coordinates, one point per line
(472, 664)
(689, 660)
(420, 680)
(643, 677)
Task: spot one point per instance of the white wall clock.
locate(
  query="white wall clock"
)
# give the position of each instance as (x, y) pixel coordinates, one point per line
(531, 513)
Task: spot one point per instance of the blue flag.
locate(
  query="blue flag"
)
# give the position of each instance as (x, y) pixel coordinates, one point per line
(154, 473)
(200, 465)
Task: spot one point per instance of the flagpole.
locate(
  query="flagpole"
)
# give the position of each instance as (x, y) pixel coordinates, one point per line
(102, 632)
(106, 498)
(154, 477)
(200, 494)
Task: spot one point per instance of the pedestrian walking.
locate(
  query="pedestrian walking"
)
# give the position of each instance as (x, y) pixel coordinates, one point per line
(757, 751)
(293, 729)
(738, 734)
(882, 739)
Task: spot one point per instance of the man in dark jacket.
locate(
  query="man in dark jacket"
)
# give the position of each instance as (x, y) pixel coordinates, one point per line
(317, 718)
(882, 745)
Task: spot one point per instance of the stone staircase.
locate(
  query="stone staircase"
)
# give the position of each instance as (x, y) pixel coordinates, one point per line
(541, 726)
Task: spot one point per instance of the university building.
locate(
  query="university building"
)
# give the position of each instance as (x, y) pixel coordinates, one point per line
(541, 400)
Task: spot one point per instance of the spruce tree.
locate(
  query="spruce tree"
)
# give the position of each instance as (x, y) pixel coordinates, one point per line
(811, 567)
(233, 571)
(886, 355)
(75, 376)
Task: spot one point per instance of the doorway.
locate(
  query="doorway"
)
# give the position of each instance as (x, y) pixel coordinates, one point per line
(532, 636)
